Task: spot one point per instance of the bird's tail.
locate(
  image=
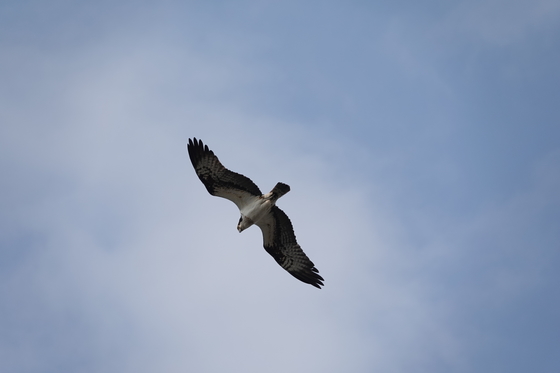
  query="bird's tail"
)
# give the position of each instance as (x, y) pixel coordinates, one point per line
(278, 191)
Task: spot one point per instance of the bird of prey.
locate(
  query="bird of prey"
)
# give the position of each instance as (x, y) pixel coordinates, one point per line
(255, 208)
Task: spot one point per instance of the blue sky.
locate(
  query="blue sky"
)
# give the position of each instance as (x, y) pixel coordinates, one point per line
(421, 141)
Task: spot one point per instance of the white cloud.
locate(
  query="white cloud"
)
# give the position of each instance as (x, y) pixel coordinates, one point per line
(138, 253)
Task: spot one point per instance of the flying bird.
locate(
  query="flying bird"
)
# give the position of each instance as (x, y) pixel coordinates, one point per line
(255, 208)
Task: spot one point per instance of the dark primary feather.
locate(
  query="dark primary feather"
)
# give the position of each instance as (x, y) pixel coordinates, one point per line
(216, 178)
(280, 242)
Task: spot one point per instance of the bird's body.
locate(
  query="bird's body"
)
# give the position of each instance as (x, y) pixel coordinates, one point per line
(258, 207)
(253, 212)
(255, 208)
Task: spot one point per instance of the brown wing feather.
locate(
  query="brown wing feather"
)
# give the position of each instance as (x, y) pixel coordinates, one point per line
(280, 242)
(218, 180)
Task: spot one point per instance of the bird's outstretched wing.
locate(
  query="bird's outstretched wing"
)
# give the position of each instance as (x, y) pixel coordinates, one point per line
(280, 242)
(218, 180)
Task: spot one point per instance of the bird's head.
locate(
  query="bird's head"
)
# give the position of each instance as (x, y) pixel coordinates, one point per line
(244, 223)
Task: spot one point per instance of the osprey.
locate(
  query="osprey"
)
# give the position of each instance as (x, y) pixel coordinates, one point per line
(255, 208)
